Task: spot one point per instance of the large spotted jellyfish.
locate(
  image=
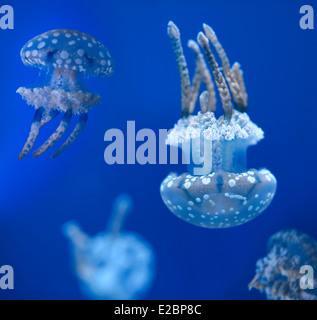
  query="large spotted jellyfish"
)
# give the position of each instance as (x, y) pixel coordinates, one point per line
(65, 58)
(287, 272)
(113, 264)
(222, 192)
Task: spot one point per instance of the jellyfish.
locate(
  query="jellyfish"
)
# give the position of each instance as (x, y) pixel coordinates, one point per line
(218, 191)
(112, 265)
(65, 59)
(279, 273)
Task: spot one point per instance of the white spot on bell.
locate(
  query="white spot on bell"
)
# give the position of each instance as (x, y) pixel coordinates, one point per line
(81, 52)
(232, 183)
(187, 185)
(41, 45)
(64, 54)
(251, 179)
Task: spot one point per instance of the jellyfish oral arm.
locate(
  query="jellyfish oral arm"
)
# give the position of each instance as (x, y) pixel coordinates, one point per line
(121, 208)
(63, 94)
(35, 129)
(190, 93)
(55, 136)
(51, 101)
(174, 34)
(219, 79)
(74, 233)
(49, 116)
(74, 135)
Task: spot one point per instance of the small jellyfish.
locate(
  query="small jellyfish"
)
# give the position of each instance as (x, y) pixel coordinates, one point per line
(218, 191)
(112, 265)
(279, 274)
(65, 58)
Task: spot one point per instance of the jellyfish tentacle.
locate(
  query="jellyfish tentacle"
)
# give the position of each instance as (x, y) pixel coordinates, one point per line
(50, 142)
(50, 116)
(74, 135)
(219, 79)
(174, 35)
(202, 74)
(34, 132)
(233, 75)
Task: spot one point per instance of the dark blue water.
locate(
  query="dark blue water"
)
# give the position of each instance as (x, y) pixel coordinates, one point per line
(38, 195)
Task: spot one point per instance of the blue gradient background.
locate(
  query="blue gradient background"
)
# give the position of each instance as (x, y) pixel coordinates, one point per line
(38, 195)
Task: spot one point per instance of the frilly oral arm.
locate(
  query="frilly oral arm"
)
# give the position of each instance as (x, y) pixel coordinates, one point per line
(74, 135)
(174, 34)
(35, 130)
(233, 76)
(56, 135)
(219, 79)
(202, 74)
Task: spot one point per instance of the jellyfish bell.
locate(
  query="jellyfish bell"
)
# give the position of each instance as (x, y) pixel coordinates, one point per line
(113, 264)
(221, 192)
(67, 58)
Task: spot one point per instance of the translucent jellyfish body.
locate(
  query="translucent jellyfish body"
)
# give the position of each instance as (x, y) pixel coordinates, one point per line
(218, 191)
(65, 58)
(112, 265)
(279, 273)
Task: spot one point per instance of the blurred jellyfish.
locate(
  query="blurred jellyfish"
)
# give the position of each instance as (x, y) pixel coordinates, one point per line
(66, 58)
(279, 274)
(218, 191)
(112, 265)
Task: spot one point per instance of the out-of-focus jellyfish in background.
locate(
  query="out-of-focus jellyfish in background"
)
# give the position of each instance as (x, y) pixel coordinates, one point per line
(65, 58)
(279, 273)
(221, 192)
(112, 265)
